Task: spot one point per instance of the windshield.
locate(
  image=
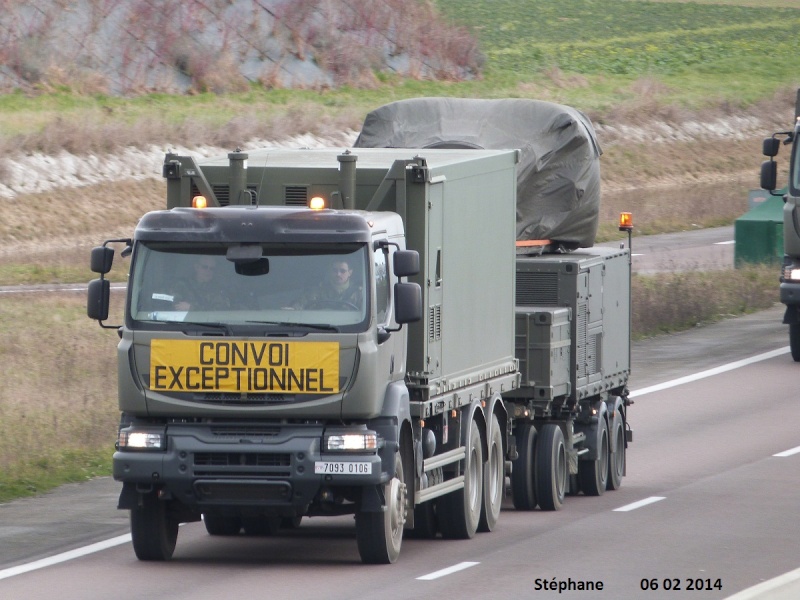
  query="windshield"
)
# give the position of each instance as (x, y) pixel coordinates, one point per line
(221, 286)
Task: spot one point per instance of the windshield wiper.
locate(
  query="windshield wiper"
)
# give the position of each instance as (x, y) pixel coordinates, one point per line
(319, 326)
(208, 326)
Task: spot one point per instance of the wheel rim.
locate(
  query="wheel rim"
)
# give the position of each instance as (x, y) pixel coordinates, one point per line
(397, 510)
(619, 455)
(495, 473)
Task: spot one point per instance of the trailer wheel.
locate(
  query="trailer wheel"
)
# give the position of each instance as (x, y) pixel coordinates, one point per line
(153, 531)
(593, 474)
(218, 523)
(551, 467)
(380, 534)
(523, 483)
(494, 479)
(460, 511)
(616, 463)
(794, 341)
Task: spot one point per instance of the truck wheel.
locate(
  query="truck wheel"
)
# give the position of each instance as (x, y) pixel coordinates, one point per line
(460, 511)
(523, 488)
(218, 523)
(380, 534)
(551, 467)
(593, 474)
(794, 341)
(153, 531)
(494, 479)
(616, 463)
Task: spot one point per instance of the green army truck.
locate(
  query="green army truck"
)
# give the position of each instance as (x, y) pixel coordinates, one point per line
(467, 355)
(790, 272)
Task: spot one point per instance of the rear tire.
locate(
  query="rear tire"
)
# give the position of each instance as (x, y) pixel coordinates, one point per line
(794, 341)
(616, 463)
(459, 512)
(153, 531)
(551, 467)
(380, 534)
(523, 483)
(494, 479)
(593, 474)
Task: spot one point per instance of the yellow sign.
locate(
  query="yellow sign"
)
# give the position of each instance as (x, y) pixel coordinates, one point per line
(244, 367)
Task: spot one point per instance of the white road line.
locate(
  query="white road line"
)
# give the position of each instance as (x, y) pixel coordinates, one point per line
(710, 372)
(448, 571)
(725, 243)
(639, 504)
(65, 556)
(786, 453)
(762, 590)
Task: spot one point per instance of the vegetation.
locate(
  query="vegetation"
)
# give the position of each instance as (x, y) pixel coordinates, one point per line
(629, 62)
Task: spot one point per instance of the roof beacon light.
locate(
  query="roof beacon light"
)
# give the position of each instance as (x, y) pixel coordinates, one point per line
(199, 202)
(625, 221)
(316, 203)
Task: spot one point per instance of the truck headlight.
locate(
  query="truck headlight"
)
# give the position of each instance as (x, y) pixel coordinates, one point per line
(132, 439)
(791, 273)
(362, 441)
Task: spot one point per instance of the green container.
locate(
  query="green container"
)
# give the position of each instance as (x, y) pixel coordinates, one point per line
(758, 234)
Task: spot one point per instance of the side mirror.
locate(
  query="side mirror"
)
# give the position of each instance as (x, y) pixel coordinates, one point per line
(769, 175)
(102, 259)
(98, 299)
(771, 146)
(407, 303)
(406, 263)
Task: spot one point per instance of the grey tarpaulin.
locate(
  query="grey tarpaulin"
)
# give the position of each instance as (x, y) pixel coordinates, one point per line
(558, 177)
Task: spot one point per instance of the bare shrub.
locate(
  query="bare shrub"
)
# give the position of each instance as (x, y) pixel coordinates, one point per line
(676, 301)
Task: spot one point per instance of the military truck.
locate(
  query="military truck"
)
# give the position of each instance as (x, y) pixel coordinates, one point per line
(458, 362)
(790, 272)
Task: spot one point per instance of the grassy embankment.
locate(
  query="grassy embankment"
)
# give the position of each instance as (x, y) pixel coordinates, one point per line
(620, 62)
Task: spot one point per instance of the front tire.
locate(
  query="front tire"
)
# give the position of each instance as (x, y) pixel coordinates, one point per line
(380, 534)
(153, 531)
(794, 341)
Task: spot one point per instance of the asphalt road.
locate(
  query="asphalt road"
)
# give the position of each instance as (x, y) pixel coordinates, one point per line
(718, 506)
(709, 501)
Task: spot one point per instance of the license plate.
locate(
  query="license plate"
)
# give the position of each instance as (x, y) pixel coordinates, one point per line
(342, 468)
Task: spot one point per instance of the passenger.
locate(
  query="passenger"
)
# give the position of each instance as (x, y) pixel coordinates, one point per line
(337, 290)
(201, 291)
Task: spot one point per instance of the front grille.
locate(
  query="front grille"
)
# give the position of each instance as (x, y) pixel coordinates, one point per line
(240, 459)
(239, 431)
(242, 492)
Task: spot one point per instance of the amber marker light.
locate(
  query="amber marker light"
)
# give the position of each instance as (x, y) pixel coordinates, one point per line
(316, 203)
(625, 221)
(199, 202)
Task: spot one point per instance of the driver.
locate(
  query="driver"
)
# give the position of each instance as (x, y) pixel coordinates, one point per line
(336, 288)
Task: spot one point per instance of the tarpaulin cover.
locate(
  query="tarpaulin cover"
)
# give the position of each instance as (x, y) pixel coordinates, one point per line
(558, 176)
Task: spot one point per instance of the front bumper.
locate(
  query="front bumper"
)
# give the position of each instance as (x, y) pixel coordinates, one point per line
(226, 466)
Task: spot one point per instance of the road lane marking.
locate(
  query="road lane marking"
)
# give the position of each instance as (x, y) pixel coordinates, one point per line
(762, 589)
(724, 243)
(65, 556)
(639, 504)
(786, 453)
(710, 372)
(448, 571)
